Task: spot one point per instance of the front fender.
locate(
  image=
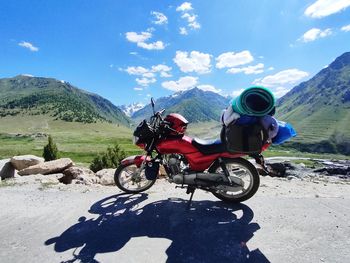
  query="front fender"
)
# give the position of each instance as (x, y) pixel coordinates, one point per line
(135, 159)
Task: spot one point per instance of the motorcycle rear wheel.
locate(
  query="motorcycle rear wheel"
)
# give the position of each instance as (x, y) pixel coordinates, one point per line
(246, 172)
(132, 179)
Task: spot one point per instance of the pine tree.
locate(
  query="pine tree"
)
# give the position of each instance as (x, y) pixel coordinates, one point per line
(50, 150)
(109, 159)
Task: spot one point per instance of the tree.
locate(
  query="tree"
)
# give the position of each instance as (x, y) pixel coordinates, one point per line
(50, 150)
(109, 159)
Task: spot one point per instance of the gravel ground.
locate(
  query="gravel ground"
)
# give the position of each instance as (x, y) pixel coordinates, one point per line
(288, 220)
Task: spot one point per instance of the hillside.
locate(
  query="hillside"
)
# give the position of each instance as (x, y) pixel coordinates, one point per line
(195, 105)
(319, 109)
(24, 95)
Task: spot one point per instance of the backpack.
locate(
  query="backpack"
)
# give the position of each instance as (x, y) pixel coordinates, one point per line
(244, 138)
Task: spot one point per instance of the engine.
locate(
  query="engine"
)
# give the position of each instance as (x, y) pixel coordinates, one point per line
(176, 164)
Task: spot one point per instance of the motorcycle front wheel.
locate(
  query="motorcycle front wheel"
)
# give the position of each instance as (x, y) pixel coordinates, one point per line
(132, 179)
(241, 171)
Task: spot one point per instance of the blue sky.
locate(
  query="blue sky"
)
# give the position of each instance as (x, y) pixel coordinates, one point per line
(127, 51)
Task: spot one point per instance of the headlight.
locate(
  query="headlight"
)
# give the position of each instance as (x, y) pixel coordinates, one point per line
(135, 140)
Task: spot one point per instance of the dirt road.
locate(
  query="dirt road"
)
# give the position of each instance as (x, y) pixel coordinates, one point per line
(286, 221)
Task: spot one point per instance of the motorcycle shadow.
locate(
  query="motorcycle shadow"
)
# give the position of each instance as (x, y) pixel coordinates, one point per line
(206, 232)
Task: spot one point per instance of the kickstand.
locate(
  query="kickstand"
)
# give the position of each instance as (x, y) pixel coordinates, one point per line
(190, 190)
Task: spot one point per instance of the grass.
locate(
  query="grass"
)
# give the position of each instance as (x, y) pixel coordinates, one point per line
(83, 142)
(80, 142)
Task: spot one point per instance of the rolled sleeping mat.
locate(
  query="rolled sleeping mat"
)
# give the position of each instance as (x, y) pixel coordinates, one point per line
(254, 101)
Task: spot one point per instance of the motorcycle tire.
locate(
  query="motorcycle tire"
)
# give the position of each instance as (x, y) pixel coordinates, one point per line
(121, 186)
(251, 189)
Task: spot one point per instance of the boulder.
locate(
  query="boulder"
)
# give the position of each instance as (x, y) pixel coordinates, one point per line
(6, 169)
(276, 169)
(75, 172)
(106, 176)
(50, 167)
(24, 161)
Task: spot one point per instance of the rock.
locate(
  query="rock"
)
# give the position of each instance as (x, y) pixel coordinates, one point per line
(51, 167)
(24, 161)
(73, 173)
(86, 179)
(6, 169)
(106, 176)
(277, 169)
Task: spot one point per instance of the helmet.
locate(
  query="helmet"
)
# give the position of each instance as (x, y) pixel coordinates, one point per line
(176, 122)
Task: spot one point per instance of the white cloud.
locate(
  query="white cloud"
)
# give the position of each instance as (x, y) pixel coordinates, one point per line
(158, 45)
(183, 83)
(284, 77)
(149, 75)
(29, 46)
(236, 93)
(209, 88)
(271, 68)
(136, 70)
(193, 62)
(160, 68)
(322, 8)
(183, 31)
(145, 81)
(189, 16)
(138, 88)
(164, 74)
(138, 38)
(133, 53)
(257, 69)
(314, 34)
(280, 91)
(192, 20)
(160, 18)
(194, 25)
(231, 59)
(186, 6)
(346, 28)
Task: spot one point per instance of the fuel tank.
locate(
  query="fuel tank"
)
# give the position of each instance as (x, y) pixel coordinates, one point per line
(179, 145)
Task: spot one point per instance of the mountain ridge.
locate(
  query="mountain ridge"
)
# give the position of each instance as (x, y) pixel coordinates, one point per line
(58, 99)
(195, 105)
(320, 109)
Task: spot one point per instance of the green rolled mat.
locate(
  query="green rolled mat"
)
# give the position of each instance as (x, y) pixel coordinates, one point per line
(254, 101)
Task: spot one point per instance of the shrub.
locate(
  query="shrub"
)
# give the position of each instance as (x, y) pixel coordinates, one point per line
(50, 150)
(110, 159)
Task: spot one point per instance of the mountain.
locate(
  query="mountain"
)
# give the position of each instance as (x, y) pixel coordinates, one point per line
(319, 109)
(195, 105)
(129, 110)
(26, 95)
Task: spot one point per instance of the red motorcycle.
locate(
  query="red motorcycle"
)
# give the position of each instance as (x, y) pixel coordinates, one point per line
(189, 163)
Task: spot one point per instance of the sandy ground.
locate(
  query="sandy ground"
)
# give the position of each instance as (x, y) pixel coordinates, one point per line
(286, 221)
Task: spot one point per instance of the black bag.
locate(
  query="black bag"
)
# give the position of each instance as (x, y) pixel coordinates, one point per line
(247, 138)
(144, 132)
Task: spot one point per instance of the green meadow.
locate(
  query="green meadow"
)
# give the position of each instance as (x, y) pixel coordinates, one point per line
(82, 142)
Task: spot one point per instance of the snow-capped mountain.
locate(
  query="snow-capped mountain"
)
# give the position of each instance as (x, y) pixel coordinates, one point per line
(129, 110)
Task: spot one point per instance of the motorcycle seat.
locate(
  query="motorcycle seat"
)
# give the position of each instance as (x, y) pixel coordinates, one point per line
(209, 146)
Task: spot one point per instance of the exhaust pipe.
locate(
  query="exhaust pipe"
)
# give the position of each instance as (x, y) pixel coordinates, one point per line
(206, 179)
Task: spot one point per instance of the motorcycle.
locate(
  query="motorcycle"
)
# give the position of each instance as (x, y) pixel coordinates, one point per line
(190, 163)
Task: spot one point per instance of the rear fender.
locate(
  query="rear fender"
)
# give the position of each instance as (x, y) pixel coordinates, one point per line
(135, 159)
